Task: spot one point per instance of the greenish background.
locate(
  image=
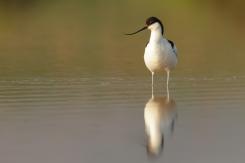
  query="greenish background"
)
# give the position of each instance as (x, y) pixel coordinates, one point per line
(77, 37)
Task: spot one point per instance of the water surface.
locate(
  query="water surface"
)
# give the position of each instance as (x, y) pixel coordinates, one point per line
(98, 119)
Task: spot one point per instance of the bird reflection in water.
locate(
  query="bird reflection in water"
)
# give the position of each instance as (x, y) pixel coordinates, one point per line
(160, 116)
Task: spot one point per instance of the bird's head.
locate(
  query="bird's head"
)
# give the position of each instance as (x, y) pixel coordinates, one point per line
(152, 23)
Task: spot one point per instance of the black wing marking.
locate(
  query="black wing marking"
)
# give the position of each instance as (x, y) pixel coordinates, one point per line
(171, 43)
(173, 47)
(147, 44)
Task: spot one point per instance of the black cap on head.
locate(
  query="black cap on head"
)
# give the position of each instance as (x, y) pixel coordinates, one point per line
(149, 21)
(152, 20)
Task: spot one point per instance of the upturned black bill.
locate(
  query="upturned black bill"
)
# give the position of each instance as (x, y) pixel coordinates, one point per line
(137, 31)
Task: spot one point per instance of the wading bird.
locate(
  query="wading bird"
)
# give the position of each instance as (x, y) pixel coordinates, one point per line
(160, 53)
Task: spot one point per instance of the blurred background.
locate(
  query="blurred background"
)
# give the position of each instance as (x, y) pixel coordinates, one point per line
(73, 87)
(85, 37)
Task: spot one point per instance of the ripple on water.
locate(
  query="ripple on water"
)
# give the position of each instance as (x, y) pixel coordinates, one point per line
(123, 91)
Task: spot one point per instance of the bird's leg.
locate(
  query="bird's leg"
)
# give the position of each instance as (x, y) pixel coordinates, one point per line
(168, 72)
(152, 83)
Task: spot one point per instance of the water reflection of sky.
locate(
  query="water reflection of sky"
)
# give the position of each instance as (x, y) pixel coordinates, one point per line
(101, 119)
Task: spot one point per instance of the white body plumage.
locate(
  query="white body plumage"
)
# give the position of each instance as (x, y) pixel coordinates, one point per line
(160, 54)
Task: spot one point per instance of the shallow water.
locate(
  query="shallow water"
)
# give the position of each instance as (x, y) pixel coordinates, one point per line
(101, 119)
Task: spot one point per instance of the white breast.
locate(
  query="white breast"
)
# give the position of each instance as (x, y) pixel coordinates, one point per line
(159, 54)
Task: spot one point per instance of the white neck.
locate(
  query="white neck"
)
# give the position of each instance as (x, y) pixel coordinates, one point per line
(156, 35)
(156, 32)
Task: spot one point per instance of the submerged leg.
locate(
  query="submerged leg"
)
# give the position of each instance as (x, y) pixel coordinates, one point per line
(168, 72)
(152, 83)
